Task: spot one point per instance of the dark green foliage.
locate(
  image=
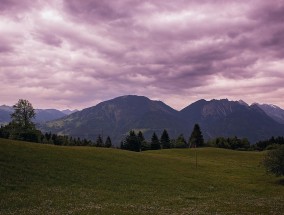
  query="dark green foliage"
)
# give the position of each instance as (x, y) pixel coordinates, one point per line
(131, 142)
(274, 161)
(165, 140)
(230, 143)
(180, 142)
(99, 141)
(145, 146)
(196, 137)
(155, 143)
(21, 127)
(262, 145)
(108, 143)
(23, 114)
(140, 136)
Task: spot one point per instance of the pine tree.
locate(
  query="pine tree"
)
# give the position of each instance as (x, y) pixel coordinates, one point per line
(108, 143)
(196, 137)
(140, 136)
(99, 141)
(132, 142)
(155, 143)
(165, 140)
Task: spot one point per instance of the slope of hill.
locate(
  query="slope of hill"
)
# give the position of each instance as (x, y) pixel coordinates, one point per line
(118, 116)
(46, 179)
(273, 111)
(44, 115)
(230, 118)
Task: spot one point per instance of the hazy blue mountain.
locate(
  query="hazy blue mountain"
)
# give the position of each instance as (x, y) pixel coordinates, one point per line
(117, 116)
(5, 112)
(68, 112)
(42, 115)
(273, 111)
(231, 118)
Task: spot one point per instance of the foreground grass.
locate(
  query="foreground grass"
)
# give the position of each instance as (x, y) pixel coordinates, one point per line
(46, 179)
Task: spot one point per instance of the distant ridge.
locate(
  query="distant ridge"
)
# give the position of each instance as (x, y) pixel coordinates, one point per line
(42, 115)
(273, 111)
(117, 116)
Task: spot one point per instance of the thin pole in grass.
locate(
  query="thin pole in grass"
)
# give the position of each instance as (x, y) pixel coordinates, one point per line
(195, 156)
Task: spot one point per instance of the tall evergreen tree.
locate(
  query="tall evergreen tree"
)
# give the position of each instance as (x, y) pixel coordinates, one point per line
(144, 144)
(132, 142)
(165, 140)
(196, 137)
(155, 143)
(99, 141)
(140, 136)
(108, 143)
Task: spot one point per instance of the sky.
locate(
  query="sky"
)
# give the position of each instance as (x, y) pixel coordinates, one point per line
(74, 54)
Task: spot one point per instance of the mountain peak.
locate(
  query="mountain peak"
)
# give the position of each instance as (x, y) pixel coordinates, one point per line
(243, 103)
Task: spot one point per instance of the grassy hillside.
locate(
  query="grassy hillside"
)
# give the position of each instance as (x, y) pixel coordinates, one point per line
(46, 179)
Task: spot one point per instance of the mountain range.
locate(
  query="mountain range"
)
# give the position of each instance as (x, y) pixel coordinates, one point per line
(117, 116)
(42, 115)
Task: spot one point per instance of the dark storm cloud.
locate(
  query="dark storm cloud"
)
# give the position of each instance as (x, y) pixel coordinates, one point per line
(175, 51)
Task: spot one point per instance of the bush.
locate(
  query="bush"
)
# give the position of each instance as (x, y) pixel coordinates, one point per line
(274, 161)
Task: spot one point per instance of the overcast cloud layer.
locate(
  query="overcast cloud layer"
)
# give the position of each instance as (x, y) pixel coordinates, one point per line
(74, 54)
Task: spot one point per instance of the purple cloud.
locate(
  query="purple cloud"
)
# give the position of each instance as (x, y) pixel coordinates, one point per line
(73, 54)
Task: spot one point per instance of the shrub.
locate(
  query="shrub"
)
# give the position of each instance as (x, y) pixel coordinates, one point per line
(274, 161)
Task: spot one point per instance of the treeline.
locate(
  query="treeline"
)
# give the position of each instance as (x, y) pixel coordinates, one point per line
(233, 143)
(271, 143)
(14, 132)
(22, 128)
(64, 140)
(137, 142)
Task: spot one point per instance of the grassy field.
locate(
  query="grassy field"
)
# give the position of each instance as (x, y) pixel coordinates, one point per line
(46, 179)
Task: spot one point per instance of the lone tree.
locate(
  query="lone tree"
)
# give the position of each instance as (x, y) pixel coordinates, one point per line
(165, 140)
(23, 114)
(274, 161)
(21, 127)
(196, 137)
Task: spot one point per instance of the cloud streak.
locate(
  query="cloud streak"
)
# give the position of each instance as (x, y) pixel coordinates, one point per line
(73, 54)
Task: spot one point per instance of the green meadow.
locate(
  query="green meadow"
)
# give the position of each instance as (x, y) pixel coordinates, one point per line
(47, 179)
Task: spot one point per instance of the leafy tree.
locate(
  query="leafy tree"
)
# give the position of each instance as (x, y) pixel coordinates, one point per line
(196, 137)
(21, 127)
(274, 161)
(99, 141)
(108, 143)
(23, 114)
(155, 143)
(181, 142)
(165, 140)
